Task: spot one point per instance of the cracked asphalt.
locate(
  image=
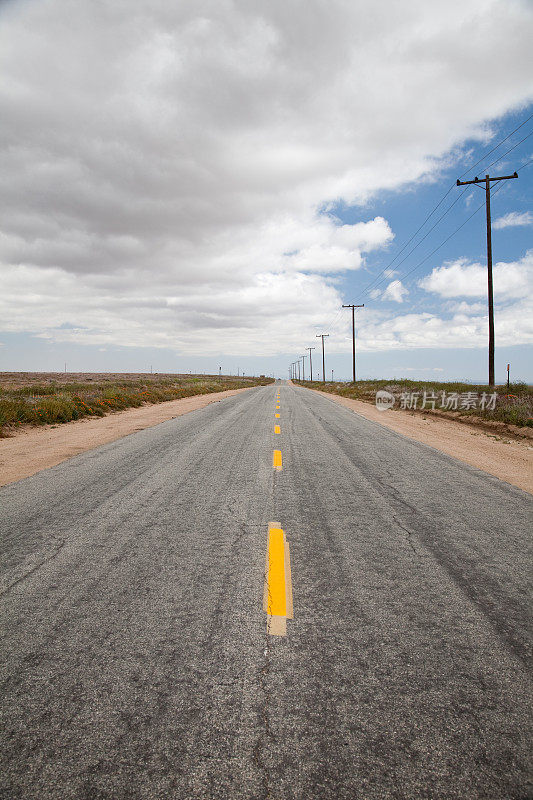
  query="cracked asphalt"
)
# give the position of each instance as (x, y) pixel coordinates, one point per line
(135, 662)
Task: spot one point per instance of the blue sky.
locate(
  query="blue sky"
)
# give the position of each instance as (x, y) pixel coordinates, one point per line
(188, 188)
(406, 210)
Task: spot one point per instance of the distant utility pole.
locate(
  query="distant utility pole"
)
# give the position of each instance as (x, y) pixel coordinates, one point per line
(487, 181)
(310, 360)
(353, 307)
(298, 369)
(332, 376)
(303, 367)
(322, 336)
(65, 367)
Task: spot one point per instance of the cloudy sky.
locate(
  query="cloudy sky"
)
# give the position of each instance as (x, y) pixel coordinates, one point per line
(195, 184)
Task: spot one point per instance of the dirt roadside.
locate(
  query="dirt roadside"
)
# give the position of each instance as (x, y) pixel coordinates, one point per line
(33, 449)
(507, 459)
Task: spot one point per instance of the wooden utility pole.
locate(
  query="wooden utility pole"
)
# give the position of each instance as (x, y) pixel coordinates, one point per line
(486, 180)
(353, 307)
(322, 336)
(303, 367)
(310, 360)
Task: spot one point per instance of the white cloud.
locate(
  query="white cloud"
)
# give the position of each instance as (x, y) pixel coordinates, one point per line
(203, 314)
(513, 325)
(395, 291)
(164, 165)
(513, 219)
(461, 279)
(463, 307)
(460, 323)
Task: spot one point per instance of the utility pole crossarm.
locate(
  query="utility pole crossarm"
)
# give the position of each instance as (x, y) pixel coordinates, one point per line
(483, 180)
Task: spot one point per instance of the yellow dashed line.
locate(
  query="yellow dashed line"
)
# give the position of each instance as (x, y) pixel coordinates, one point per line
(277, 429)
(276, 462)
(277, 596)
(277, 416)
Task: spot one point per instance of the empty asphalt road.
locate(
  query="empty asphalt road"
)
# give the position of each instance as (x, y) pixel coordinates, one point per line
(138, 660)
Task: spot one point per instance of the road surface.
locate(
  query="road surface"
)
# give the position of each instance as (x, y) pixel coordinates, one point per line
(138, 660)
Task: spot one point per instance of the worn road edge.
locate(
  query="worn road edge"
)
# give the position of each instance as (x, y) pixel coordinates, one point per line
(509, 461)
(33, 450)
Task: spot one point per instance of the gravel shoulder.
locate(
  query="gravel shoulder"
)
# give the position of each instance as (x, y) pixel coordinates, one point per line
(506, 459)
(30, 450)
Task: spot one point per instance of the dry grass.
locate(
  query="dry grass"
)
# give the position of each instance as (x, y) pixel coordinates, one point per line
(514, 405)
(29, 398)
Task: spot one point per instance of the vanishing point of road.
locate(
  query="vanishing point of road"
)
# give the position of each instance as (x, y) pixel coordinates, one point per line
(235, 604)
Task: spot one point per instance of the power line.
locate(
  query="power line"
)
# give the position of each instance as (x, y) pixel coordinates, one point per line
(507, 151)
(376, 280)
(389, 265)
(443, 198)
(420, 263)
(525, 165)
(483, 157)
(423, 261)
(421, 240)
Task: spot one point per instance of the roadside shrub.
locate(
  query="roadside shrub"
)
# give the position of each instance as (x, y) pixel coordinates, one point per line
(39, 404)
(514, 404)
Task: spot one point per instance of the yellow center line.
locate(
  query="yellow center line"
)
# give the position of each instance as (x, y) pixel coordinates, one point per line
(276, 461)
(277, 406)
(277, 416)
(277, 595)
(277, 429)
